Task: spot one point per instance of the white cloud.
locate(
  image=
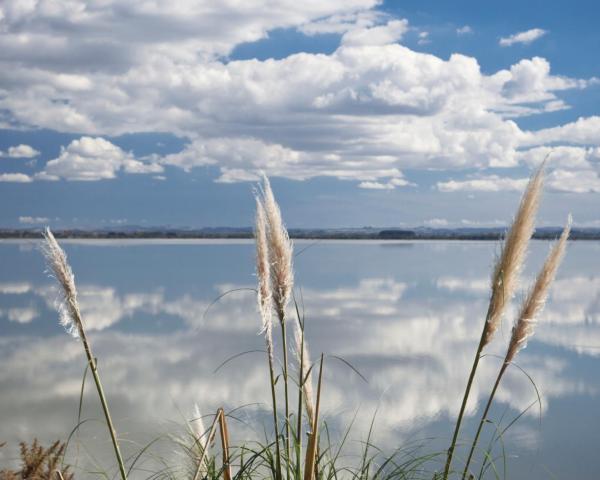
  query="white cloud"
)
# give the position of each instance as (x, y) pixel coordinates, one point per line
(436, 222)
(584, 131)
(377, 35)
(22, 315)
(391, 184)
(89, 159)
(22, 151)
(33, 220)
(342, 23)
(365, 112)
(15, 288)
(423, 38)
(561, 156)
(578, 181)
(484, 183)
(15, 178)
(523, 37)
(464, 30)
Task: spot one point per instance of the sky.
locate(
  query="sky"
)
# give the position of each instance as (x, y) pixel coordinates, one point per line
(362, 112)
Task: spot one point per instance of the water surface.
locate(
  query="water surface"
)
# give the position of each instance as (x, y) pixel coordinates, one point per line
(407, 315)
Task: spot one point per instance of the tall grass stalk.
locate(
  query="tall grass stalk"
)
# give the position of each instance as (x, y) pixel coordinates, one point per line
(70, 315)
(300, 352)
(525, 325)
(305, 394)
(224, 445)
(504, 281)
(313, 442)
(211, 434)
(263, 272)
(282, 281)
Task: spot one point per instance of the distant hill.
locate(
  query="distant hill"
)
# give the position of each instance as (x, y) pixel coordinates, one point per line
(365, 233)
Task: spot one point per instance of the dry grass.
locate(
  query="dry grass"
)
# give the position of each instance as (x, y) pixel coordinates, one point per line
(536, 299)
(39, 463)
(508, 267)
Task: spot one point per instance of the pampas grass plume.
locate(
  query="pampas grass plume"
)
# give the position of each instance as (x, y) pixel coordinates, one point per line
(280, 251)
(508, 267)
(538, 294)
(56, 259)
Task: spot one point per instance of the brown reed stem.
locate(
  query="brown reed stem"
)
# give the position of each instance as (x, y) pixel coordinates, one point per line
(311, 449)
(224, 445)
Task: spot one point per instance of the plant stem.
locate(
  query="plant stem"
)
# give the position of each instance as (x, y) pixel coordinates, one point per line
(224, 445)
(285, 387)
(211, 433)
(483, 418)
(313, 443)
(464, 404)
(103, 402)
(275, 421)
(299, 420)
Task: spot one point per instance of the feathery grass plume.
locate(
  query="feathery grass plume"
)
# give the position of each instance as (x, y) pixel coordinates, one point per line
(265, 307)
(70, 317)
(538, 294)
(263, 274)
(526, 322)
(68, 308)
(508, 267)
(282, 282)
(504, 282)
(280, 252)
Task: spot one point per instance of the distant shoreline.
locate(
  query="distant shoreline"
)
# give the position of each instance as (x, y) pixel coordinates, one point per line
(367, 233)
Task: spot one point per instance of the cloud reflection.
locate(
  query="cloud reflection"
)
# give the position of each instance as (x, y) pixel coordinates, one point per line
(414, 346)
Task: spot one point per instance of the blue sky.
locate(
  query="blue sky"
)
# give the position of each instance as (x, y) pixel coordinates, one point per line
(362, 112)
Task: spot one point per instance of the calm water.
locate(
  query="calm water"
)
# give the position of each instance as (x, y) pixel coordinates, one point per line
(407, 315)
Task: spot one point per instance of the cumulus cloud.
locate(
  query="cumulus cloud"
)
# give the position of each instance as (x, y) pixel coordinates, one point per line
(15, 178)
(391, 184)
(584, 131)
(28, 220)
(366, 111)
(15, 288)
(423, 38)
(464, 30)
(21, 151)
(22, 315)
(377, 35)
(343, 22)
(436, 222)
(483, 183)
(89, 159)
(579, 181)
(522, 37)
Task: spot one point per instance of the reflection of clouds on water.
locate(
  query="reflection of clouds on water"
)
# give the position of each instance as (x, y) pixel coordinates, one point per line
(20, 315)
(415, 346)
(15, 288)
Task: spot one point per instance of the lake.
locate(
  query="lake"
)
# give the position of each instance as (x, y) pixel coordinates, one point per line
(406, 315)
